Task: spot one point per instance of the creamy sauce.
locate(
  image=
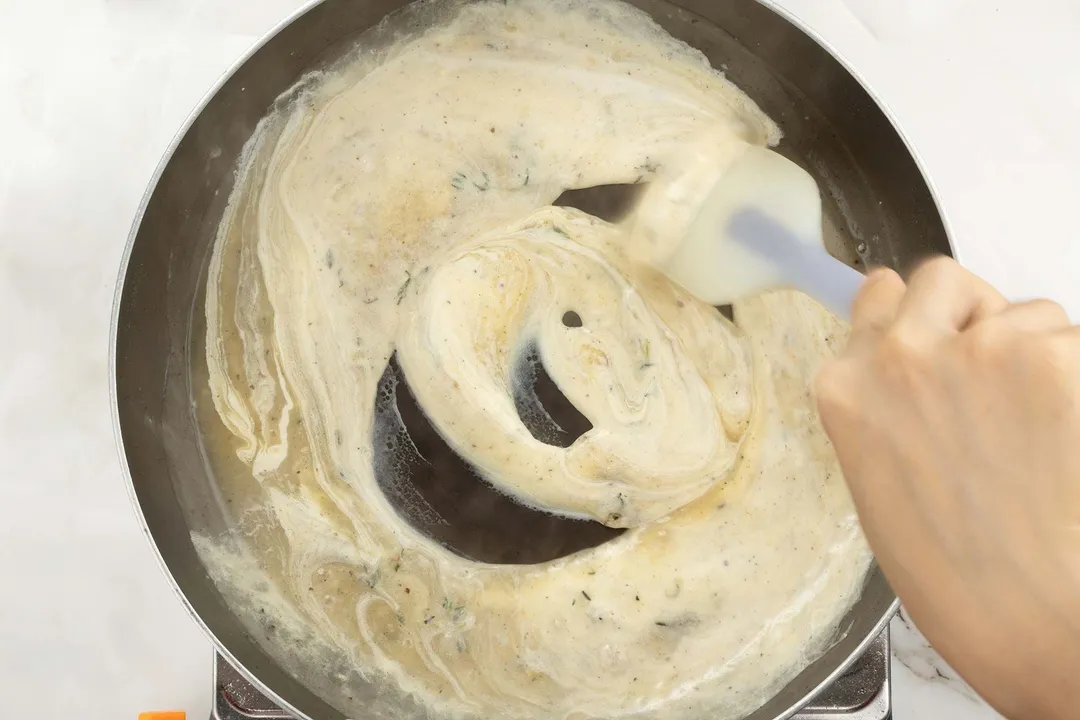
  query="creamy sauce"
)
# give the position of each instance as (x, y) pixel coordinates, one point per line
(401, 203)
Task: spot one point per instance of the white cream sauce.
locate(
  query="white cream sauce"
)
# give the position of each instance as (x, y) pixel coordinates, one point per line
(401, 203)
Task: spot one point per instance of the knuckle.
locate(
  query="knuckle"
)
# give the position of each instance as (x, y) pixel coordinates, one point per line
(878, 277)
(1049, 310)
(1049, 356)
(937, 268)
(897, 347)
(1058, 356)
(876, 303)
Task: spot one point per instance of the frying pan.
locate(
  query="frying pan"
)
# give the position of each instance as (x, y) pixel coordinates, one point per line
(879, 209)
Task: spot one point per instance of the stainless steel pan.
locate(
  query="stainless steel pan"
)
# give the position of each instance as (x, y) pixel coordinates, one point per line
(879, 209)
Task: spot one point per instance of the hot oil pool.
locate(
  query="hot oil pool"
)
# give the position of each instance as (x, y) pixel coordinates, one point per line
(303, 479)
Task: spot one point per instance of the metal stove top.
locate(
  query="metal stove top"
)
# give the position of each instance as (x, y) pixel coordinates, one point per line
(863, 693)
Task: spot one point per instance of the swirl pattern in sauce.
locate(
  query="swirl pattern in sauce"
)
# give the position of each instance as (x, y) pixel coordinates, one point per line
(401, 203)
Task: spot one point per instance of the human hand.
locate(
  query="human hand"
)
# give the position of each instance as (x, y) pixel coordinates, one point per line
(956, 419)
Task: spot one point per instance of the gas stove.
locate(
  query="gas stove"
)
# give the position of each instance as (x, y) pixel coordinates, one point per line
(862, 693)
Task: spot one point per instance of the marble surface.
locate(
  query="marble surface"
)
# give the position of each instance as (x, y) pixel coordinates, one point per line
(93, 91)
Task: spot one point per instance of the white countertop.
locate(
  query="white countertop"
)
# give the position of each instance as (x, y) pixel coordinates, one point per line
(93, 90)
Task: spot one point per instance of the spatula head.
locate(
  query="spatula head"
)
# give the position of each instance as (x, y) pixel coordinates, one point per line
(719, 270)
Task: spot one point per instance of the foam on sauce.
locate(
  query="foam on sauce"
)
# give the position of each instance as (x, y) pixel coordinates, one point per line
(400, 203)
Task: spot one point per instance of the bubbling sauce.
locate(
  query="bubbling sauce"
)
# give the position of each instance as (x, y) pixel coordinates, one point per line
(400, 204)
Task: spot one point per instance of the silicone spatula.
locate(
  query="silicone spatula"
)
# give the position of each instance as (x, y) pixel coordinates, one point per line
(760, 228)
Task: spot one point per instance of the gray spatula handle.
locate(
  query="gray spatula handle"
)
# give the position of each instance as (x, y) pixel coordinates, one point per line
(803, 266)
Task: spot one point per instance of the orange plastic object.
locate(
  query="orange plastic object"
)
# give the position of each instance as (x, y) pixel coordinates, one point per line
(166, 715)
